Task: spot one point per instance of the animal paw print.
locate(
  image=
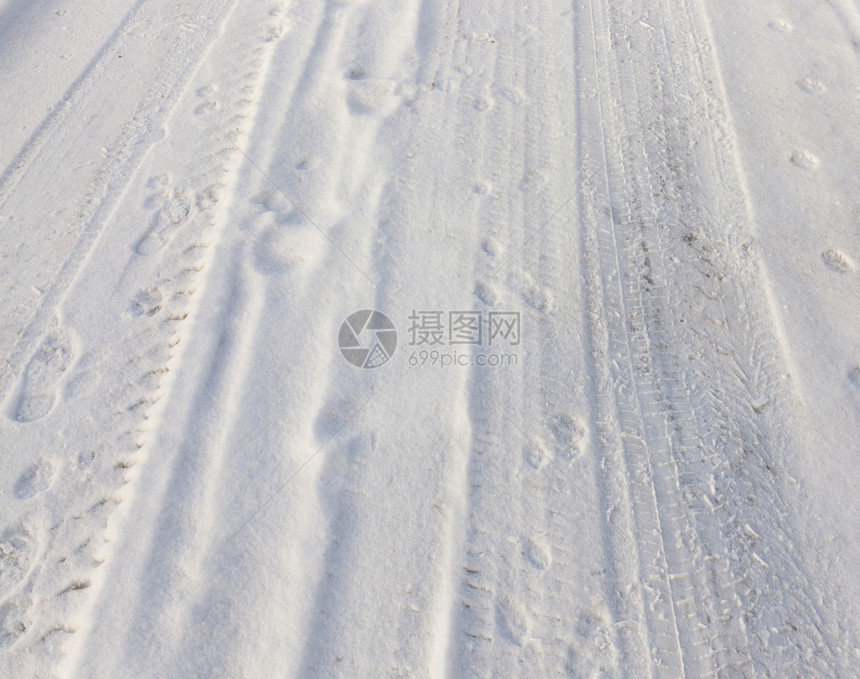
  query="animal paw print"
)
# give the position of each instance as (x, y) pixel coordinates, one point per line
(569, 434)
(537, 552)
(147, 302)
(811, 85)
(36, 479)
(805, 160)
(536, 454)
(781, 25)
(837, 261)
(209, 103)
(175, 209)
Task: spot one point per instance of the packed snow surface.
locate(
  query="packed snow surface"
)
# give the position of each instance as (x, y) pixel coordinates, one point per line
(429, 338)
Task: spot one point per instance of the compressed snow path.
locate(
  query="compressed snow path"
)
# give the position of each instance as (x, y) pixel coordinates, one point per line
(645, 462)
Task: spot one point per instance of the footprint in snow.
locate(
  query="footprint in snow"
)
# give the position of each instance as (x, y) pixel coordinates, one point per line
(373, 96)
(43, 374)
(538, 553)
(490, 245)
(836, 261)
(17, 549)
(82, 382)
(147, 302)
(483, 188)
(281, 250)
(536, 454)
(569, 433)
(486, 292)
(270, 201)
(533, 181)
(172, 214)
(158, 182)
(806, 160)
(14, 620)
(592, 646)
(277, 27)
(483, 103)
(811, 85)
(36, 479)
(308, 163)
(206, 107)
(781, 25)
(531, 292)
(208, 197)
(512, 622)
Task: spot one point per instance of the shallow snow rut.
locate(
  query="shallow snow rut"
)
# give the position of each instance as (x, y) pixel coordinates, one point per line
(127, 283)
(530, 567)
(694, 408)
(213, 491)
(92, 142)
(268, 448)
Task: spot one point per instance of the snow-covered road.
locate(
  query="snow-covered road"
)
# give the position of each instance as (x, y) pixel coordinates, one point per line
(604, 422)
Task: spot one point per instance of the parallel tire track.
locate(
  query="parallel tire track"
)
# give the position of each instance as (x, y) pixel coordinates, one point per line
(189, 41)
(681, 330)
(146, 330)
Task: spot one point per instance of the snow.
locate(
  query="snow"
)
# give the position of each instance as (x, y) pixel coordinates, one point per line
(618, 434)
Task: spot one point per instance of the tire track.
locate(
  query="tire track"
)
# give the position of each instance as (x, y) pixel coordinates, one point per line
(146, 327)
(93, 73)
(530, 572)
(266, 271)
(701, 413)
(193, 182)
(490, 623)
(62, 135)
